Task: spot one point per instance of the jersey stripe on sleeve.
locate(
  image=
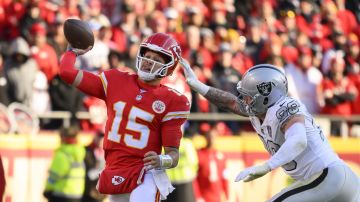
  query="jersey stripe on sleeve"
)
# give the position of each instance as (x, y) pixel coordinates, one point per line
(104, 81)
(176, 115)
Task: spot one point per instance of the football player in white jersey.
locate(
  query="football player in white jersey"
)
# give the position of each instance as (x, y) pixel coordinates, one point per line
(288, 133)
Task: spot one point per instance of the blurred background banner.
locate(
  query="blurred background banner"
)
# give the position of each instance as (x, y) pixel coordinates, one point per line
(26, 160)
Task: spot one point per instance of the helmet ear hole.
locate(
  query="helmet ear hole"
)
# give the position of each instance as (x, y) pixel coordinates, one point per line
(266, 101)
(163, 72)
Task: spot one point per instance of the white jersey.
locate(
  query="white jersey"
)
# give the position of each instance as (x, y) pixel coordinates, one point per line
(318, 153)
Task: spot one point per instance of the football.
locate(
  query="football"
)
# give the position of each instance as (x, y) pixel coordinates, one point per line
(78, 33)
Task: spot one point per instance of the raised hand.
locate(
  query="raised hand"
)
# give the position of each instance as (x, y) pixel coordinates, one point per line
(189, 73)
(78, 51)
(191, 78)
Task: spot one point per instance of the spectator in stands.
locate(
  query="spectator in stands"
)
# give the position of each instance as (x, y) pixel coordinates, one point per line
(196, 58)
(195, 15)
(254, 39)
(31, 17)
(116, 60)
(131, 53)
(94, 163)
(208, 44)
(97, 112)
(211, 182)
(338, 93)
(225, 77)
(42, 52)
(64, 97)
(40, 101)
(308, 17)
(352, 55)
(266, 11)
(66, 179)
(273, 47)
(10, 25)
(304, 80)
(334, 12)
(354, 7)
(240, 61)
(125, 27)
(56, 37)
(20, 70)
(174, 25)
(288, 26)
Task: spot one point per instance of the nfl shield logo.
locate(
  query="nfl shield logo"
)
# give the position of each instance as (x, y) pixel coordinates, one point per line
(264, 88)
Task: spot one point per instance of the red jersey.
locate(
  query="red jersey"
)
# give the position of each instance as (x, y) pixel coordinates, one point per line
(140, 118)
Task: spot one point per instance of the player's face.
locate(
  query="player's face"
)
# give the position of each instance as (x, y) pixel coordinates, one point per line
(247, 99)
(152, 61)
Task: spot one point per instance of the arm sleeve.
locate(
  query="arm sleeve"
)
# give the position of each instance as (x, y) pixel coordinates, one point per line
(172, 133)
(173, 120)
(86, 82)
(295, 143)
(67, 70)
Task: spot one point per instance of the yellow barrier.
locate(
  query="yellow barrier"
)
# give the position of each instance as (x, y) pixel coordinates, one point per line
(26, 160)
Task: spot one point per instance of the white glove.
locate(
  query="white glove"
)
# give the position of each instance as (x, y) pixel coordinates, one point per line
(192, 80)
(253, 173)
(78, 51)
(189, 73)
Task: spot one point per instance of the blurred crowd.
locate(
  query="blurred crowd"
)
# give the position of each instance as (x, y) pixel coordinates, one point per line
(316, 42)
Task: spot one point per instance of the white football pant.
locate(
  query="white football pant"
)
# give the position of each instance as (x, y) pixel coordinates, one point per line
(337, 183)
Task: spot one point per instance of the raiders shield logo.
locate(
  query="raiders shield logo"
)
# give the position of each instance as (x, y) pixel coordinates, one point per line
(264, 88)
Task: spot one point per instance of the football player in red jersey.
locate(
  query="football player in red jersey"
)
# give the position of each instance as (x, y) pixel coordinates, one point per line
(143, 117)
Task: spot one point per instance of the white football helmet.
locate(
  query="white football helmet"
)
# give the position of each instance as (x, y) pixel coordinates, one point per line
(261, 87)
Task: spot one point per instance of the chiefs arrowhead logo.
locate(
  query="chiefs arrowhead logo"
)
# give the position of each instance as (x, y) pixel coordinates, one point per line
(158, 106)
(116, 180)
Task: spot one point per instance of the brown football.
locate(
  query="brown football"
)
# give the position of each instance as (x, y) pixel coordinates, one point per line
(78, 33)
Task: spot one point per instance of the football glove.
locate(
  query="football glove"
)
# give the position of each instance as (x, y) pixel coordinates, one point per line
(189, 73)
(253, 173)
(192, 80)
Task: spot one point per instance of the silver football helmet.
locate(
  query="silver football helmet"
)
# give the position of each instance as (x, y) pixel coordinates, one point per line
(261, 87)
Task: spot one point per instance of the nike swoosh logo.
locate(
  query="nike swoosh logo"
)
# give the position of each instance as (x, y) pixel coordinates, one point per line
(282, 104)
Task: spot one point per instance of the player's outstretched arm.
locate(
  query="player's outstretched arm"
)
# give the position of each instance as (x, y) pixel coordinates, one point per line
(87, 82)
(220, 98)
(295, 141)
